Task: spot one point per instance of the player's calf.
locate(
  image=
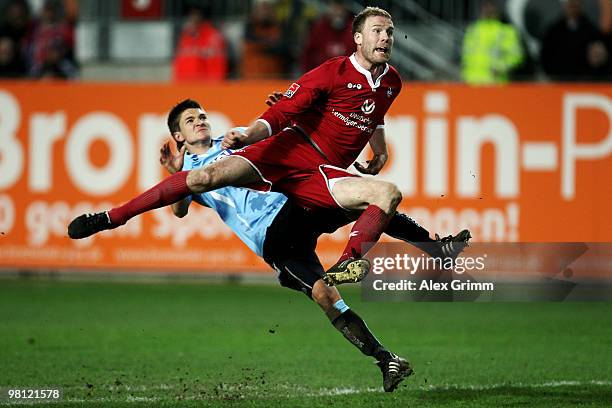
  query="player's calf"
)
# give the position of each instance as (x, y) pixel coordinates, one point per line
(326, 297)
(394, 369)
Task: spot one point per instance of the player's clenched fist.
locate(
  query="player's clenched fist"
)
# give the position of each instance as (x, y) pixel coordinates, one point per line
(233, 139)
(374, 166)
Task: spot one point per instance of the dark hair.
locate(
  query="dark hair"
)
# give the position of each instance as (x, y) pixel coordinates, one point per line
(360, 18)
(175, 115)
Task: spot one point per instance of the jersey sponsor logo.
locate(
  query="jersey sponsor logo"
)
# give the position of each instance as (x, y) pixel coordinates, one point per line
(368, 106)
(360, 122)
(292, 90)
(351, 85)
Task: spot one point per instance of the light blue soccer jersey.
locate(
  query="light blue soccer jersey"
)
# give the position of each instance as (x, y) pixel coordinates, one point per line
(247, 212)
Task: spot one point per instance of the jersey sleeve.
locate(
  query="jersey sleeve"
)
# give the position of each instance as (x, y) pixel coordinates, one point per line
(300, 97)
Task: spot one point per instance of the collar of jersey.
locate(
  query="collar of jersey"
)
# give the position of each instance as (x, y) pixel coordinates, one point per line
(367, 73)
(216, 146)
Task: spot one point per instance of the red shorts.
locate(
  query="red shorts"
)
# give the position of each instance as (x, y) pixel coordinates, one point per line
(287, 163)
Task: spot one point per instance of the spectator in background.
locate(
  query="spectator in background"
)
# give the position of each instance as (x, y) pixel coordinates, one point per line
(12, 64)
(491, 48)
(56, 65)
(330, 36)
(274, 38)
(264, 54)
(15, 34)
(201, 52)
(16, 23)
(573, 47)
(51, 49)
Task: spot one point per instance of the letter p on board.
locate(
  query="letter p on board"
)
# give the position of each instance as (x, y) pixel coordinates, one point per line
(574, 151)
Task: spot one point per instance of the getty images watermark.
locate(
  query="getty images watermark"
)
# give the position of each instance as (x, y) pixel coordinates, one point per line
(425, 264)
(490, 272)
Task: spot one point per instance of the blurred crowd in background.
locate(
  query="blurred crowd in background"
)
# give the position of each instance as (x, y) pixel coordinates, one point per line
(41, 45)
(285, 38)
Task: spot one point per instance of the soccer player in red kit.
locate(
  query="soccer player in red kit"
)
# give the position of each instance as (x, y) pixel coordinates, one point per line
(319, 127)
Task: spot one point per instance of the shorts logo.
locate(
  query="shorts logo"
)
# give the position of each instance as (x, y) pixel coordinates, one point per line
(389, 92)
(368, 106)
(292, 90)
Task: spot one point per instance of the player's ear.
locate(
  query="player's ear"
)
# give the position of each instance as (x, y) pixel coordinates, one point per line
(358, 38)
(178, 137)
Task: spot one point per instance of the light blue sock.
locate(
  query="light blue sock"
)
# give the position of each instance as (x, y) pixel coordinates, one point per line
(341, 306)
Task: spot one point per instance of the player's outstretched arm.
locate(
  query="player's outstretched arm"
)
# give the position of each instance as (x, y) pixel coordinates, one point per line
(235, 139)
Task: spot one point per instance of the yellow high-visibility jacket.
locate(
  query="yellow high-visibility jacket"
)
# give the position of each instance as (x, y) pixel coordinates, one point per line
(491, 49)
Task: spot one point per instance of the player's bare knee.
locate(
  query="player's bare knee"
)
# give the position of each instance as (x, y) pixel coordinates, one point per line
(200, 180)
(396, 197)
(387, 196)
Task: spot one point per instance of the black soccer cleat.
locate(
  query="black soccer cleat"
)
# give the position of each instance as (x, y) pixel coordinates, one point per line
(451, 246)
(394, 370)
(88, 224)
(348, 271)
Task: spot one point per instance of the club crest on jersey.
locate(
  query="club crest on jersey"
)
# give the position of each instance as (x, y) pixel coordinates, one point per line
(368, 106)
(292, 90)
(351, 85)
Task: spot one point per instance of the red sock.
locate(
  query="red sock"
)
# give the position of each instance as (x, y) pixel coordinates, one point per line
(168, 191)
(368, 228)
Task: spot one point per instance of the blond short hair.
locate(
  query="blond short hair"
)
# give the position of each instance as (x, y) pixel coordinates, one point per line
(360, 18)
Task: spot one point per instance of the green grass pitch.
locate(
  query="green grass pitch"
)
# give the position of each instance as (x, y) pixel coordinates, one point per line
(202, 344)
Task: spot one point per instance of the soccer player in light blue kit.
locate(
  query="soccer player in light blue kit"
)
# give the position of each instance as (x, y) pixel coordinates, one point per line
(284, 234)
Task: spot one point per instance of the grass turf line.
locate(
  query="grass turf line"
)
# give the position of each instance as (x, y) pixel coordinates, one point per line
(134, 344)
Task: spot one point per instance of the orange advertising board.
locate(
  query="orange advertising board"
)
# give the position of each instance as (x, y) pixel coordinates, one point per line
(523, 162)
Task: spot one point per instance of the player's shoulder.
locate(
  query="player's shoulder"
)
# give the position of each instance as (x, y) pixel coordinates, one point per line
(337, 60)
(324, 73)
(392, 80)
(335, 63)
(338, 66)
(394, 75)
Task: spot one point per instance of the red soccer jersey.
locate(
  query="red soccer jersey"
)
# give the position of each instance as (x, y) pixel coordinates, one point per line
(338, 105)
